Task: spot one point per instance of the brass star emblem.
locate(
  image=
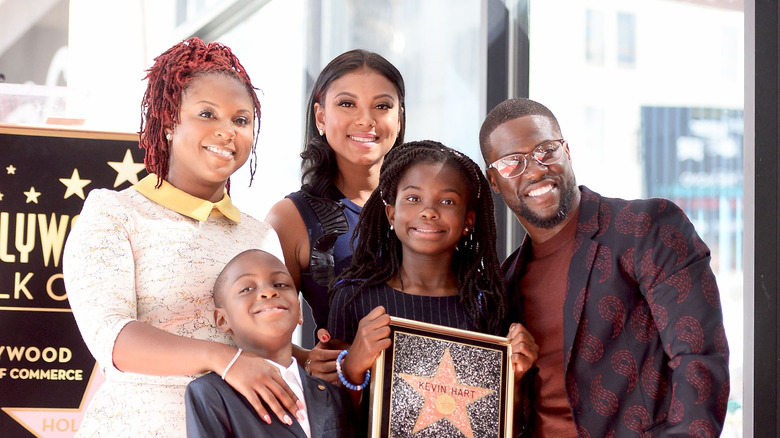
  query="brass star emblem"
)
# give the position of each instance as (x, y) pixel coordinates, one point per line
(445, 397)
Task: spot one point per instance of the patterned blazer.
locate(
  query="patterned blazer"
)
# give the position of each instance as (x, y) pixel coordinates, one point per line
(644, 342)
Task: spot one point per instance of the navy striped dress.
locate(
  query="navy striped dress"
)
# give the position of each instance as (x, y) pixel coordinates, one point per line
(343, 321)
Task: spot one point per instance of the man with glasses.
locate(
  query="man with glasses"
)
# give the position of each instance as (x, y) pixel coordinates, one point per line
(619, 296)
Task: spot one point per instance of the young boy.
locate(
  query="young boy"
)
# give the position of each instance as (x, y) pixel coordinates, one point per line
(257, 304)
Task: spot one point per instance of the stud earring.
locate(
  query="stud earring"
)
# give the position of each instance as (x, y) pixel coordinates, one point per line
(168, 136)
(466, 230)
(391, 227)
(322, 133)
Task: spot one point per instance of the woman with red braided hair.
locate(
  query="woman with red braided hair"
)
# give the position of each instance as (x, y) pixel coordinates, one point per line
(140, 263)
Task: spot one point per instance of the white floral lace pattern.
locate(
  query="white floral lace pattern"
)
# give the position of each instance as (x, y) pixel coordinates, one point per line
(129, 258)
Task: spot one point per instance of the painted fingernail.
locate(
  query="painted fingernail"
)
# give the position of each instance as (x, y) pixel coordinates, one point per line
(325, 337)
(287, 420)
(300, 404)
(267, 418)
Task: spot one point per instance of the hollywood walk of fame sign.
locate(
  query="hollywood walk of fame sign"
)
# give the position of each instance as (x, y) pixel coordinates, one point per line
(47, 374)
(436, 381)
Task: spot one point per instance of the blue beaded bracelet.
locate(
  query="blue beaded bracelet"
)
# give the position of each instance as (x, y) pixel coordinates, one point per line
(344, 379)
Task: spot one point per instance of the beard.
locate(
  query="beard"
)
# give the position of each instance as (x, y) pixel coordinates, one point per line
(568, 190)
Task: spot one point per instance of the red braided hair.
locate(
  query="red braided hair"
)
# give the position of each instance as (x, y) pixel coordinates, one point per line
(171, 74)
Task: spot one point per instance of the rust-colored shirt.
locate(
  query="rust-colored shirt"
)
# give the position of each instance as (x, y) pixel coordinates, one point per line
(544, 289)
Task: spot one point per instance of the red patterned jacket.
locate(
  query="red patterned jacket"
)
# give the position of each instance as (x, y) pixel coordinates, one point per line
(645, 347)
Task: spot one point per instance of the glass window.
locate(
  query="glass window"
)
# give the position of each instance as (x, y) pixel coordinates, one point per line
(594, 37)
(33, 44)
(442, 85)
(626, 46)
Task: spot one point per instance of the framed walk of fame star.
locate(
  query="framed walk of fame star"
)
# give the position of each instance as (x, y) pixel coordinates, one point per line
(436, 381)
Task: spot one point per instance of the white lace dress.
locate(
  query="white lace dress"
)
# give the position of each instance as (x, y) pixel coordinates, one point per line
(130, 258)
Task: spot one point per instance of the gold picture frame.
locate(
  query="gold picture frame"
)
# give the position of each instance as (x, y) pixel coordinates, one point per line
(438, 381)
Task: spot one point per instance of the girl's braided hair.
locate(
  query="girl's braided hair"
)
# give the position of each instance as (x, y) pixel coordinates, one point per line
(377, 255)
(168, 78)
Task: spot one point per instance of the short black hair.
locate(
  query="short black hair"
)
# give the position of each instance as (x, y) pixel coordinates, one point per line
(221, 282)
(509, 110)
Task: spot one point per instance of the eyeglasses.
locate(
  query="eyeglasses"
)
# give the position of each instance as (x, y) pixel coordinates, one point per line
(512, 166)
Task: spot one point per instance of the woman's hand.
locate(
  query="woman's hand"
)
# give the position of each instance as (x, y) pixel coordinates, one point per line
(141, 348)
(373, 336)
(524, 349)
(255, 378)
(322, 358)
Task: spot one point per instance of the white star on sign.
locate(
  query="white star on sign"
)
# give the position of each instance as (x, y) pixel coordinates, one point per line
(127, 169)
(32, 195)
(75, 185)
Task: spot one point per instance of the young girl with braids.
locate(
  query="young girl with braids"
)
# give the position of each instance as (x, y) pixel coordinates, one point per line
(140, 263)
(426, 252)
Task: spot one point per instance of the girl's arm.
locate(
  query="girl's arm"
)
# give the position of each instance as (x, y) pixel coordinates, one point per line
(524, 349)
(373, 336)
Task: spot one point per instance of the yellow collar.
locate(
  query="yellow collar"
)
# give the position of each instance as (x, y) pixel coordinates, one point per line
(184, 203)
